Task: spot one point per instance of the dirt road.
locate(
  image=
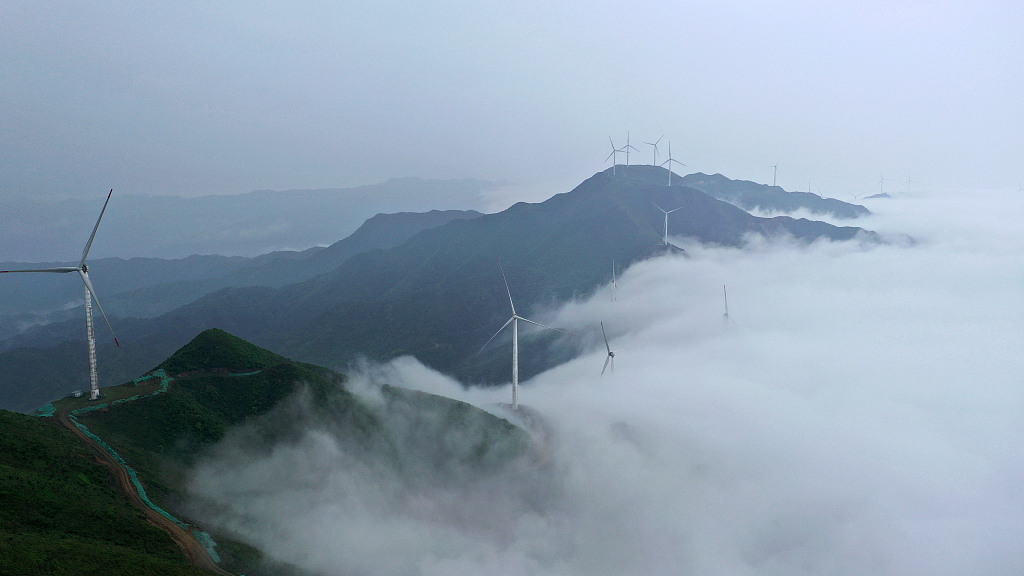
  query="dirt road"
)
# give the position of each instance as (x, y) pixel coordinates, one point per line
(193, 550)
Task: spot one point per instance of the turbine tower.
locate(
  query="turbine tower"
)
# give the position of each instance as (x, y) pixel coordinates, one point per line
(655, 145)
(667, 212)
(670, 161)
(628, 147)
(514, 321)
(881, 184)
(613, 155)
(90, 294)
(775, 172)
(611, 355)
(613, 280)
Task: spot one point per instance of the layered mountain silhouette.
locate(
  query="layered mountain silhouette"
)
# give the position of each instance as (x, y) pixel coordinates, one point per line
(148, 287)
(439, 295)
(753, 196)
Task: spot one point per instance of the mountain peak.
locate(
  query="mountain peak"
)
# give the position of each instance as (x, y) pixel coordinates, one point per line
(215, 349)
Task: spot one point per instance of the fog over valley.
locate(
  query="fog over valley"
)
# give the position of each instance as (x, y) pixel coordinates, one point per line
(754, 273)
(859, 413)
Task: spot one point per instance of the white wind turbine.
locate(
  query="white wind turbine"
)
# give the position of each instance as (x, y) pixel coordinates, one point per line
(613, 155)
(611, 355)
(667, 212)
(670, 161)
(90, 294)
(614, 288)
(628, 147)
(655, 145)
(514, 321)
(726, 296)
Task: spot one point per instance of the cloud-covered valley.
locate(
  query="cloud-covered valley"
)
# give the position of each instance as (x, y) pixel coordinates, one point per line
(860, 412)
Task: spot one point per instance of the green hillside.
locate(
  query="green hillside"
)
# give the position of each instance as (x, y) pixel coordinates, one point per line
(60, 512)
(219, 382)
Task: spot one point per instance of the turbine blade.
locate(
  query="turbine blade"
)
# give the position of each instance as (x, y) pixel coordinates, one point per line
(610, 155)
(92, 292)
(495, 334)
(658, 207)
(88, 245)
(544, 326)
(506, 289)
(606, 360)
(609, 348)
(61, 270)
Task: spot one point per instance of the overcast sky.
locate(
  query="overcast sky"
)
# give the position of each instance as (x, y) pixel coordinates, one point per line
(196, 98)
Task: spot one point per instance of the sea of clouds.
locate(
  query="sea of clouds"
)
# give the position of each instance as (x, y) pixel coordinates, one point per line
(861, 411)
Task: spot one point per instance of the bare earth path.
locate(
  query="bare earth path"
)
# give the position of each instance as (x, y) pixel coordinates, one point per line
(194, 551)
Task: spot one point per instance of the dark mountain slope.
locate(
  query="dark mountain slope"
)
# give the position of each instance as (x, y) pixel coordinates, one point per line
(439, 295)
(148, 287)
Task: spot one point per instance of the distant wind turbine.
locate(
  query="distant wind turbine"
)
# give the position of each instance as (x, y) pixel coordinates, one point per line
(514, 321)
(90, 294)
(613, 155)
(726, 296)
(613, 280)
(667, 212)
(775, 172)
(628, 147)
(655, 145)
(670, 161)
(610, 359)
(881, 184)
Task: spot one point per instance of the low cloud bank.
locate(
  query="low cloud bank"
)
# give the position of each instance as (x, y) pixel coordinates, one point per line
(861, 412)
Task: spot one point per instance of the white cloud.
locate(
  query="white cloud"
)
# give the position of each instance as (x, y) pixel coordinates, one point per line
(861, 414)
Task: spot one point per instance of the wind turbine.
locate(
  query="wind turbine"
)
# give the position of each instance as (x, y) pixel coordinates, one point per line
(670, 161)
(627, 148)
(613, 155)
(881, 183)
(726, 296)
(610, 359)
(90, 294)
(514, 321)
(655, 145)
(667, 212)
(775, 172)
(613, 280)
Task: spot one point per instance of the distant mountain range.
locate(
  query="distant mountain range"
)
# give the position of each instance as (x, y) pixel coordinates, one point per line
(754, 196)
(234, 225)
(426, 285)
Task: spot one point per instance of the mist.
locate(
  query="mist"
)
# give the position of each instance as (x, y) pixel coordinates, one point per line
(860, 412)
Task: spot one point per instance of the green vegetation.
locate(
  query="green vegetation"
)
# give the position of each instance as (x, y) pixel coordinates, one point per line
(60, 512)
(215, 349)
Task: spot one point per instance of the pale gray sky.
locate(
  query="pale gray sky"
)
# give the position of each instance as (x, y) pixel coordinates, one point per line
(197, 98)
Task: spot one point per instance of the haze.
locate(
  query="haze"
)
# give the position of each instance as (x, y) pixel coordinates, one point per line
(191, 98)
